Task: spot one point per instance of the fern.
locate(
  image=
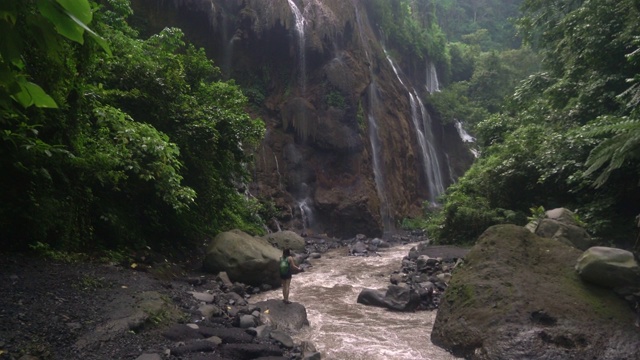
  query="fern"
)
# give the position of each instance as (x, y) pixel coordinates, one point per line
(622, 146)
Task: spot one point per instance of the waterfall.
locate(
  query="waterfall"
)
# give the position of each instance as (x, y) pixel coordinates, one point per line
(300, 24)
(464, 135)
(422, 127)
(432, 83)
(434, 174)
(374, 135)
(306, 214)
(278, 170)
(304, 202)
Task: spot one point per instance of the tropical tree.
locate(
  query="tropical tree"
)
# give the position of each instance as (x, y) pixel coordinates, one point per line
(143, 145)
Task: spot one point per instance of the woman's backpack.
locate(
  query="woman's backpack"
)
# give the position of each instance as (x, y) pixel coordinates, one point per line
(284, 266)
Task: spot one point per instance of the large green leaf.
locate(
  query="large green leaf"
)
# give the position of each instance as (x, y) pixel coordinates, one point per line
(63, 23)
(32, 94)
(78, 9)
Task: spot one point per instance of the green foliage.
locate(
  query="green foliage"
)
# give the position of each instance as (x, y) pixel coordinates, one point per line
(46, 251)
(360, 117)
(411, 27)
(572, 126)
(487, 23)
(23, 22)
(621, 145)
(414, 223)
(486, 83)
(537, 213)
(91, 283)
(147, 146)
(336, 99)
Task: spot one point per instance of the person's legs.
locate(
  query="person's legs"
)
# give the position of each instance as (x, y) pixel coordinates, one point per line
(285, 289)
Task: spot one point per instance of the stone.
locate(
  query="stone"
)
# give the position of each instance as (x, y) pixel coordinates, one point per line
(202, 296)
(228, 335)
(193, 346)
(247, 321)
(249, 351)
(372, 297)
(224, 278)
(282, 338)
(281, 316)
(181, 332)
(152, 356)
(560, 224)
(209, 310)
(609, 267)
(245, 258)
(263, 331)
(519, 297)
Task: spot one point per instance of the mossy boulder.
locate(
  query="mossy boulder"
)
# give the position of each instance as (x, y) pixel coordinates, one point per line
(518, 297)
(246, 259)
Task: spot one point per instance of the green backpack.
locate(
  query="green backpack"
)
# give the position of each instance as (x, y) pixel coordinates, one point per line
(284, 266)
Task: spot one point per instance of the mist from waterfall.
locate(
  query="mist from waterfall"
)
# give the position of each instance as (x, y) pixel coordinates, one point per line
(421, 121)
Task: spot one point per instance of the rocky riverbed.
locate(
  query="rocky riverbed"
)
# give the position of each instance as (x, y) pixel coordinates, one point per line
(150, 309)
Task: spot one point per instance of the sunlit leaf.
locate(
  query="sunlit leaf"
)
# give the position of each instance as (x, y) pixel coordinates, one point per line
(79, 9)
(64, 25)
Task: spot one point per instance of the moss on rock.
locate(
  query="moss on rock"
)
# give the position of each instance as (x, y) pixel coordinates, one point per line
(518, 296)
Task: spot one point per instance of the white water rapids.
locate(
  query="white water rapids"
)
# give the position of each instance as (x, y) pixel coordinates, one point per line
(343, 329)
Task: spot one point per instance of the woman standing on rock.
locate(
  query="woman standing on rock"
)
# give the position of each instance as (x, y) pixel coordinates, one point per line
(286, 264)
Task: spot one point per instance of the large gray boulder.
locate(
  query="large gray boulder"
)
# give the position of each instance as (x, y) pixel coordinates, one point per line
(519, 297)
(396, 297)
(246, 259)
(560, 224)
(286, 317)
(609, 267)
(286, 239)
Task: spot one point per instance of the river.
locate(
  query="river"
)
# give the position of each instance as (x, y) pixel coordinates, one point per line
(340, 328)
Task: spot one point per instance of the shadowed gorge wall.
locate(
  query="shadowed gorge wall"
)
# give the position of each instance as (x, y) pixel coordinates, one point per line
(316, 162)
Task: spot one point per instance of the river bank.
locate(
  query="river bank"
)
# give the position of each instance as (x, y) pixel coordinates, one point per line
(52, 310)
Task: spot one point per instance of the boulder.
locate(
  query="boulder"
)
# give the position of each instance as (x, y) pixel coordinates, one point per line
(560, 224)
(396, 297)
(519, 297)
(372, 297)
(609, 267)
(244, 258)
(401, 298)
(286, 239)
(281, 316)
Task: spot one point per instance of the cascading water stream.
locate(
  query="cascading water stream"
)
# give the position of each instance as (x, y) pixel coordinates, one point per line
(422, 127)
(374, 135)
(340, 328)
(432, 84)
(434, 174)
(300, 24)
(304, 202)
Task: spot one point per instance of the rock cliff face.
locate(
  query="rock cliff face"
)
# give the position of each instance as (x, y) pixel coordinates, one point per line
(349, 147)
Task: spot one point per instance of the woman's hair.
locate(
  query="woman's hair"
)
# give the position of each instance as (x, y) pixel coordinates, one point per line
(286, 252)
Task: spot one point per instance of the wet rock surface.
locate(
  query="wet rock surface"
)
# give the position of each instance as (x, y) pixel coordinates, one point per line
(420, 282)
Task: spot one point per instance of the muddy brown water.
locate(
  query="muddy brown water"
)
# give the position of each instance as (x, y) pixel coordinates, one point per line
(340, 328)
